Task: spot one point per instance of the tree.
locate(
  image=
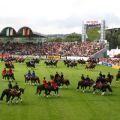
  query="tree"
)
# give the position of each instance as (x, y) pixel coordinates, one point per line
(73, 37)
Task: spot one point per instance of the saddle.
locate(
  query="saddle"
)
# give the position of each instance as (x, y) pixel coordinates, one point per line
(99, 85)
(14, 92)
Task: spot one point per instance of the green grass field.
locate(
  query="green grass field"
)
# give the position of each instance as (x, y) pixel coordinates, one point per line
(70, 105)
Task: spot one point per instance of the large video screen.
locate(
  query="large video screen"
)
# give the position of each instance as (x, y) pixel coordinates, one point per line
(93, 30)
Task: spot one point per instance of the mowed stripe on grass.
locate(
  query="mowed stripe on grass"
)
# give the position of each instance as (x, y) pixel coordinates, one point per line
(71, 105)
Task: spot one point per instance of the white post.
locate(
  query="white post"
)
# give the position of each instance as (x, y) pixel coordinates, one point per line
(83, 32)
(102, 37)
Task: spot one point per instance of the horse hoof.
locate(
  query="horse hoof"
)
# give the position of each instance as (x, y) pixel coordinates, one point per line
(103, 93)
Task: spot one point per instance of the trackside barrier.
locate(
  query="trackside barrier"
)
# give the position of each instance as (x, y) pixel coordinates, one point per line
(115, 66)
(111, 65)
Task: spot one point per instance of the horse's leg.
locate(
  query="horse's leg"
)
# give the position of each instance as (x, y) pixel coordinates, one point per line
(94, 89)
(13, 77)
(8, 77)
(89, 87)
(78, 86)
(116, 78)
(8, 99)
(18, 98)
(109, 88)
(83, 89)
(12, 99)
(2, 96)
(103, 89)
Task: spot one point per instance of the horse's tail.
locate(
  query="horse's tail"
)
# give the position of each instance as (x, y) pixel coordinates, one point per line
(3, 94)
(68, 82)
(38, 90)
(78, 85)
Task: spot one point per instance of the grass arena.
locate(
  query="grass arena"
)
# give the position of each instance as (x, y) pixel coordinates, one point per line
(71, 104)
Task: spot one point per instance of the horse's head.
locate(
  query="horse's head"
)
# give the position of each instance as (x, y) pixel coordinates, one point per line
(92, 82)
(52, 76)
(21, 90)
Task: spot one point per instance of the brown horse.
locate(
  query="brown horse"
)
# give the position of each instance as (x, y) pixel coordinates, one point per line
(90, 66)
(117, 76)
(102, 87)
(109, 79)
(85, 83)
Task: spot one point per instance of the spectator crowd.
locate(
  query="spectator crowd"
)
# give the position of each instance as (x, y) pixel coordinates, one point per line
(82, 49)
(114, 61)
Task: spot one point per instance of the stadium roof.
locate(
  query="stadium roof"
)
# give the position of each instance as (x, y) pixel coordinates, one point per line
(22, 32)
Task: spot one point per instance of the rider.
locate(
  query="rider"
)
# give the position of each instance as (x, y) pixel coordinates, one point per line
(44, 82)
(52, 83)
(10, 71)
(29, 74)
(103, 79)
(87, 78)
(16, 86)
(4, 72)
(82, 77)
(10, 85)
(108, 75)
(55, 85)
(100, 74)
(33, 74)
(119, 71)
(62, 76)
(56, 75)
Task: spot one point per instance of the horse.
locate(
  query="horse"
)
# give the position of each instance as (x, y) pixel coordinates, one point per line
(81, 61)
(65, 82)
(8, 76)
(20, 60)
(85, 83)
(102, 87)
(5, 92)
(72, 64)
(117, 76)
(36, 60)
(39, 89)
(51, 63)
(47, 90)
(109, 79)
(7, 65)
(12, 93)
(30, 64)
(60, 81)
(34, 80)
(90, 66)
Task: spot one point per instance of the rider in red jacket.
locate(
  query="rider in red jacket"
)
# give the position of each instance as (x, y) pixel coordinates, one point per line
(4, 72)
(10, 71)
(45, 82)
(54, 84)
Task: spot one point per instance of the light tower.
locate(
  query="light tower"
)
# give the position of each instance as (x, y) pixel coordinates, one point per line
(102, 32)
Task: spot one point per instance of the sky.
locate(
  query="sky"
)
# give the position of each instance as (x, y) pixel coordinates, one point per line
(57, 16)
